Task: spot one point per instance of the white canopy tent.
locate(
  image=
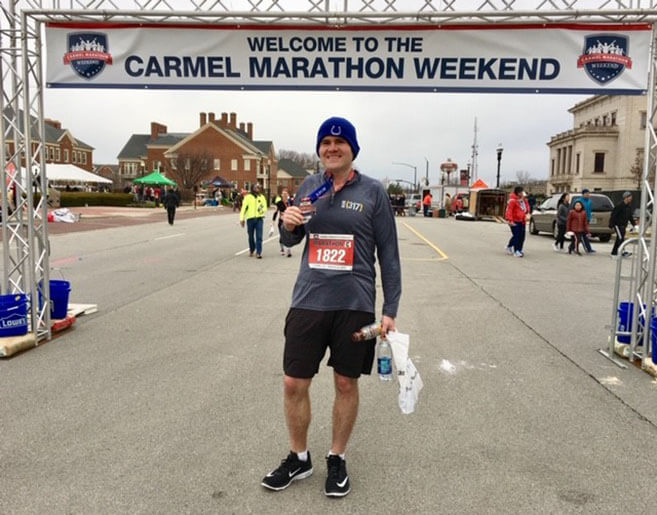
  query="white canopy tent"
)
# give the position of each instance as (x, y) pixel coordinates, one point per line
(71, 173)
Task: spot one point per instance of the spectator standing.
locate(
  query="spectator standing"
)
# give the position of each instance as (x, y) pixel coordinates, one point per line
(563, 207)
(170, 201)
(281, 205)
(253, 212)
(531, 200)
(335, 295)
(448, 204)
(579, 226)
(516, 215)
(588, 208)
(620, 217)
(426, 203)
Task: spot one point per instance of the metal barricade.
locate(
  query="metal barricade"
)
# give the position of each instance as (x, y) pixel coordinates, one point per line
(626, 274)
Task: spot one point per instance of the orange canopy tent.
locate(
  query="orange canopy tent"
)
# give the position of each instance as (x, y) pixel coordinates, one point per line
(479, 185)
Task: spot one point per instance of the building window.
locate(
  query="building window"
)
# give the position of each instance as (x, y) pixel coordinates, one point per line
(577, 163)
(217, 164)
(570, 159)
(599, 164)
(247, 164)
(552, 168)
(233, 165)
(644, 119)
(234, 184)
(613, 118)
(156, 165)
(173, 163)
(58, 154)
(66, 160)
(188, 164)
(74, 155)
(84, 158)
(204, 164)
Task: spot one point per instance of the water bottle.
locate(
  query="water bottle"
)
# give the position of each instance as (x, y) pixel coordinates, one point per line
(384, 360)
(368, 332)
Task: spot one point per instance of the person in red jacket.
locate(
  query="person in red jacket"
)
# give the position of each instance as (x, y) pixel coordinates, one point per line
(516, 216)
(578, 224)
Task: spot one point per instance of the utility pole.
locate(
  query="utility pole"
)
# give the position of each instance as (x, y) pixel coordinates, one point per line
(475, 153)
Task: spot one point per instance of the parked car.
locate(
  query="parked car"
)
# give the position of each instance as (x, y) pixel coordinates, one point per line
(414, 199)
(544, 217)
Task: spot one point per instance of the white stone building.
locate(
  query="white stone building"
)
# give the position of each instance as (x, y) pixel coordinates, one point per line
(602, 149)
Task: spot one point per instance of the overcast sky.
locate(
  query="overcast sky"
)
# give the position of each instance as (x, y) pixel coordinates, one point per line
(399, 127)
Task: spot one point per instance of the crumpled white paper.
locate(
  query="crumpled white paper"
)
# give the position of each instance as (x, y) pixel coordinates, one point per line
(410, 382)
(64, 215)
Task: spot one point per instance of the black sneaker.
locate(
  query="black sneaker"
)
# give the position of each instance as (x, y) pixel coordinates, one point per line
(290, 469)
(337, 481)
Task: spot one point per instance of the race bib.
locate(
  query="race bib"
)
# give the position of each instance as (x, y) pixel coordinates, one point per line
(331, 251)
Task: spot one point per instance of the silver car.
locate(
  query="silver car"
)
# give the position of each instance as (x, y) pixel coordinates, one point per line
(544, 217)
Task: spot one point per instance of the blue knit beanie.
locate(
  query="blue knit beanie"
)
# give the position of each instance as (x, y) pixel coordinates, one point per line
(342, 128)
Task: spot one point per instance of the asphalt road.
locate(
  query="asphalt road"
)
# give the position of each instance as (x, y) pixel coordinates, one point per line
(168, 400)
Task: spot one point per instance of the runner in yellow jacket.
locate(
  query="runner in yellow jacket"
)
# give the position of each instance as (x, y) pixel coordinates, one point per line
(254, 208)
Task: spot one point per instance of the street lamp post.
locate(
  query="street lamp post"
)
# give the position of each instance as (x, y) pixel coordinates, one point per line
(414, 174)
(499, 150)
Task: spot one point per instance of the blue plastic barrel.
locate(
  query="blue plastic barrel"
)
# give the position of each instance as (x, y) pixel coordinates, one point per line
(625, 313)
(13, 314)
(59, 292)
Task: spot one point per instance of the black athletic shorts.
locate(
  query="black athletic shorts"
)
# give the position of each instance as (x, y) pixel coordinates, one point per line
(308, 333)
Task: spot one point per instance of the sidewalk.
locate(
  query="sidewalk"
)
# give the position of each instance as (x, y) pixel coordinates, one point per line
(104, 217)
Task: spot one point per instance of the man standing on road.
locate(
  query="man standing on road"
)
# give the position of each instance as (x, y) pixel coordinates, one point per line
(253, 212)
(586, 202)
(170, 202)
(620, 217)
(334, 296)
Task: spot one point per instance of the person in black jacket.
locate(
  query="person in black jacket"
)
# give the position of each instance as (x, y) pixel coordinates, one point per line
(171, 202)
(620, 216)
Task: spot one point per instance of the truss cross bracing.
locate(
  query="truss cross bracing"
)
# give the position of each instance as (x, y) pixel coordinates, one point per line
(24, 233)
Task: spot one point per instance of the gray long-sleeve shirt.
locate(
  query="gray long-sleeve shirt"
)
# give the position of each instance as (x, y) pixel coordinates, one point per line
(361, 210)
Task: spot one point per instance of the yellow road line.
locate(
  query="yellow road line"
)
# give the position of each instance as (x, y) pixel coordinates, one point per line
(442, 255)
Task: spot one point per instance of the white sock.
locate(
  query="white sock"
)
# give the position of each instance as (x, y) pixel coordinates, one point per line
(303, 456)
(331, 453)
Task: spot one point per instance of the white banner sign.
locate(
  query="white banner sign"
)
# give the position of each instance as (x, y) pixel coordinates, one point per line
(588, 59)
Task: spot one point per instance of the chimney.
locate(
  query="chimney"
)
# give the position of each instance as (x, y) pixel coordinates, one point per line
(203, 120)
(249, 130)
(224, 120)
(242, 127)
(233, 121)
(211, 117)
(157, 129)
(53, 123)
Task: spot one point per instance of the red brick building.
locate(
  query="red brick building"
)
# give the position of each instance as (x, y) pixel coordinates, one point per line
(290, 176)
(61, 146)
(228, 150)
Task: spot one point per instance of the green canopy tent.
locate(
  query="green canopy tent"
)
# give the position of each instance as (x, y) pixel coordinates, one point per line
(154, 179)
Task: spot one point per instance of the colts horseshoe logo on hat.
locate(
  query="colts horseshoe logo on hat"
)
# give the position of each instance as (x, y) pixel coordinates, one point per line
(336, 130)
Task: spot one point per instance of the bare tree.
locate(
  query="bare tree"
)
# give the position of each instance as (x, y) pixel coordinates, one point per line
(306, 161)
(636, 170)
(523, 178)
(187, 169)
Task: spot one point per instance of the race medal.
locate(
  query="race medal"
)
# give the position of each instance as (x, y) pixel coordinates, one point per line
(307, 209)
(331, 251)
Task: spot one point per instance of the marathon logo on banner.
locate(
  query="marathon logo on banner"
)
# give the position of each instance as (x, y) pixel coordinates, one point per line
(605, 57)
(87, 53)
(514, 58)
